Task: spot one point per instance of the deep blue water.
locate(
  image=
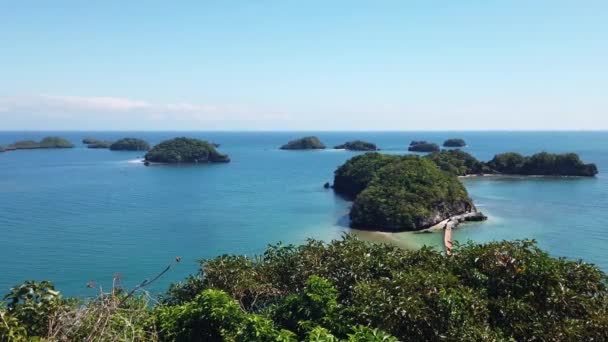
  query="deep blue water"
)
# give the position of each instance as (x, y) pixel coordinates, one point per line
(80, 215)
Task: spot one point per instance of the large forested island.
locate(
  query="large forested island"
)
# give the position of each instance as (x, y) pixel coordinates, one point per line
(347, 290)
(305, 143)
(185, 150)
(357, 145)
(130, 144)
(400, 193)
(45, 143)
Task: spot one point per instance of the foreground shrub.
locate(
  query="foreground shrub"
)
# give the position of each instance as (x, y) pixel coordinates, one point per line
(347, 290)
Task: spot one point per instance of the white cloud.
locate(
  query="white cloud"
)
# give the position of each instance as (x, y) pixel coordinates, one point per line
(97, 112)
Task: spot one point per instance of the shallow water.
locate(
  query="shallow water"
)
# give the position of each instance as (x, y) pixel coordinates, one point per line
(80, 215)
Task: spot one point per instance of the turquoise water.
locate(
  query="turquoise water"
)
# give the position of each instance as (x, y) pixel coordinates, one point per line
(80, 215)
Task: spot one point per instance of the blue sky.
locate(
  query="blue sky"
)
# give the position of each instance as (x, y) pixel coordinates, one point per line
(303, 65)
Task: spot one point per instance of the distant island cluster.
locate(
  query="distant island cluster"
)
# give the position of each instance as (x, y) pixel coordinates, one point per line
(389, 192)
(177, 150)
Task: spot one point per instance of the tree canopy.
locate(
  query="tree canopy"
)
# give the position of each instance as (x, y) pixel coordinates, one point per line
(353, 176)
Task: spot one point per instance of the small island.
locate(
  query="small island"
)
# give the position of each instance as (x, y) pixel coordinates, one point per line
(542, 164)
(95, 143)
(45, 143)
(357, 145)
(130, 144)
(305, 143)
(461, 163)
(454, 143)
(423, 146)
(186, 151)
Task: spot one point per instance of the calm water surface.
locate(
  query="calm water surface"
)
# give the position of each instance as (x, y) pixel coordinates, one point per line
(80, 215)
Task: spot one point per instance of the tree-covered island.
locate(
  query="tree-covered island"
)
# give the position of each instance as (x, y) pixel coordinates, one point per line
(130, 144)
(96, 143)
(400, 193)
(357, 145)
(185, 150)
(305, 143)
(422, 146)
(45, 143)
(456, 142)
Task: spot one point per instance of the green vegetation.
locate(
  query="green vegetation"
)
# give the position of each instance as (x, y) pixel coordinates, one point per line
(458, 162)
(409, 194)
(95, 143)
(543, 163)
(130, 144)
(353, 176)
(357, 145)
(347, 290)
(422, 146)
(185, 150)
(306, 143)
(48, 142)
(454, 143)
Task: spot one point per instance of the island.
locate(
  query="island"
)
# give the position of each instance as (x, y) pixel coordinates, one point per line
(454, 143)
(542, 164)
(130, 144)
(45, 143)
(305, 143)
(95, 143)
(458, 163)
(185, 150)
(410, 194)
(423, 146)
(357, 145)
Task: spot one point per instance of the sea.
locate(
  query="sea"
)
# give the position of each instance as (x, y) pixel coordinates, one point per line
(83, 216)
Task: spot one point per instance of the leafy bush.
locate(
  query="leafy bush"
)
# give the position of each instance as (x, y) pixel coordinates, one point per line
(185, 150)
(130, 144)
(306, 143)
(347, 290)
(410, 194)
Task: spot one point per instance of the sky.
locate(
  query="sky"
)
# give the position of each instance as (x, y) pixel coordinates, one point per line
(304, 65)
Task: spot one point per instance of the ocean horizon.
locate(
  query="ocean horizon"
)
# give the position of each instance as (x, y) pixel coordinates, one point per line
(82, 215)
